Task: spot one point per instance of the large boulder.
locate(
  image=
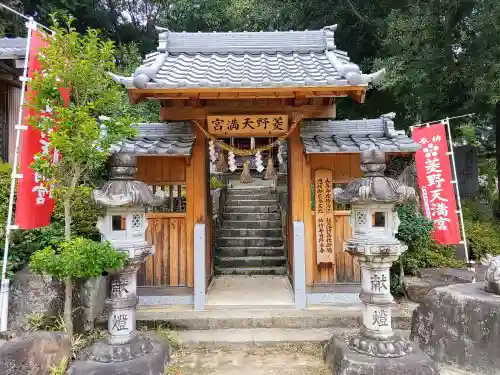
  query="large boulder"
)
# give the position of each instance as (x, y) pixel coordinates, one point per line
(33, 295)
(460, 325)
(34, 353)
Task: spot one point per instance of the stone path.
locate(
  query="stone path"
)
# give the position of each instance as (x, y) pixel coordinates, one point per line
(284, 359)
(280, 360)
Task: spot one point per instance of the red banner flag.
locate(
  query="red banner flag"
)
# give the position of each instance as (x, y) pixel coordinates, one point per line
(34, 205)
(434, 177)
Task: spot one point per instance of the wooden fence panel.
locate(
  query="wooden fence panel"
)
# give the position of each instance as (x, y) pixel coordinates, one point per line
(167, 267)
(346, 268)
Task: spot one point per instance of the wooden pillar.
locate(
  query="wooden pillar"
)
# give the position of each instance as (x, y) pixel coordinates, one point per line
(300, 197)
(196, 196)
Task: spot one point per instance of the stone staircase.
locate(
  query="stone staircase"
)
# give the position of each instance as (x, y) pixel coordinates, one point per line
(250, 241)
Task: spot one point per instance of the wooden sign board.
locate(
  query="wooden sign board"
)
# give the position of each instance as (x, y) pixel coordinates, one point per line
(323, 183)
(248, 125)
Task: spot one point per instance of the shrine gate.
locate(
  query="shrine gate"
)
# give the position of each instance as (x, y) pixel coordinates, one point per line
(281, 89)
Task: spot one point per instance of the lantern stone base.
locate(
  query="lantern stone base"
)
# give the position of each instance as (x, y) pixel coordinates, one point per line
(343, 360)
(143, 355)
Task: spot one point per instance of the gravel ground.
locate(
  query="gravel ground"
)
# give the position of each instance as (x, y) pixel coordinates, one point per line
(280, 360)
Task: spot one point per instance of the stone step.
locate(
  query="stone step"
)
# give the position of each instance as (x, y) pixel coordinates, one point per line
(265, 196)
(252, 224)
(250, 270)
(344, 316)
(249, 191)
(248, 202)
(251, 209)
(249, 241)
(252, 216)
(244, 232)
(250, 261)
(236, 337)
(250, 251)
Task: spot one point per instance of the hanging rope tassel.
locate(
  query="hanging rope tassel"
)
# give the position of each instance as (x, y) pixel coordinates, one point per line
(246, 177)
(221, 165)
(270, 171)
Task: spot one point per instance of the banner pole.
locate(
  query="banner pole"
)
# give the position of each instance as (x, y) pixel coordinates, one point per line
(4, 288)
(457, 191)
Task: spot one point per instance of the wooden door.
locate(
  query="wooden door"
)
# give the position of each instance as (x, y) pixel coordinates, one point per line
(167, 267)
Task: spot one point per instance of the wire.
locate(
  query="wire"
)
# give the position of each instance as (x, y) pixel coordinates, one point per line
(441, 121)
(2, 5)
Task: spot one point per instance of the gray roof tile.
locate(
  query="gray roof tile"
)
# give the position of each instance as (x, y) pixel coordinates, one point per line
(160, 139)
(354, 136)
(12, 48)
(247, 60)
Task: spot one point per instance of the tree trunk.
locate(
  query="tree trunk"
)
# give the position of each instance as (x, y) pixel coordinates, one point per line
(67, 218)
(497, 144)
(68, 305)
(68, 281)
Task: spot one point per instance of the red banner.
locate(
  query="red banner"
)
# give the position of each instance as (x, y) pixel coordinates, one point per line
(434, 177)
(34, 205)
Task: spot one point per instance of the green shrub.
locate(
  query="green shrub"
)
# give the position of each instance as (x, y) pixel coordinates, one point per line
(483, 237)
(76, 258)
(216, 183)
(481, 229)
(5, 174)
(25, 242)
(416, 232)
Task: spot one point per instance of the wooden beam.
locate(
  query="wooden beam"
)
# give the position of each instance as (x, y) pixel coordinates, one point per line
(194, 101)
(299, 100)
(209, 95)
(137, 95)
(171, 113)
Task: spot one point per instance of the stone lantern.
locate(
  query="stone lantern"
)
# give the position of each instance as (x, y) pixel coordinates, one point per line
(374, 222)
(124, 226)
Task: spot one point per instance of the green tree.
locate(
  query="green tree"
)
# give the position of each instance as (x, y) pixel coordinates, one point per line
(442, 59)
(129, 58)
(11, 25)
(79, 62)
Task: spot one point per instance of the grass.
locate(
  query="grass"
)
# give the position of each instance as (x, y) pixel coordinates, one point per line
(166, 332)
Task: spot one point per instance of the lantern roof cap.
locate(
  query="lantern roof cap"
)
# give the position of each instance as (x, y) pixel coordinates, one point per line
(374, 186)
(122, 189)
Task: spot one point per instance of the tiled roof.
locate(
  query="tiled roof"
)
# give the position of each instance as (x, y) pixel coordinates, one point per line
(12, 48)
(354, 136)
(161, 139)
(247, 60)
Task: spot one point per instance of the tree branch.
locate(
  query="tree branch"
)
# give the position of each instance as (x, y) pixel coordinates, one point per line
(356, 13)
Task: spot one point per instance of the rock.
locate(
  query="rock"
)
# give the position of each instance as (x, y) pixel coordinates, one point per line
(343, 360)
(446, 276)
(93, 295)
(416, 288)
(460, 325)
(32, 295)
(34, 353)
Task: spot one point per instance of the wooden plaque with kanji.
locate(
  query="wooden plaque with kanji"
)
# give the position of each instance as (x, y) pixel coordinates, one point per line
(247, 125)
(323, 182)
